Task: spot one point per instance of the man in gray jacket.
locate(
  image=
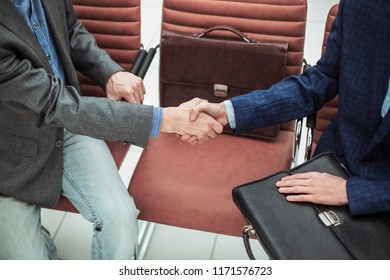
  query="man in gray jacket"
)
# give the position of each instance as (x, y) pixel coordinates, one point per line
(49, 132)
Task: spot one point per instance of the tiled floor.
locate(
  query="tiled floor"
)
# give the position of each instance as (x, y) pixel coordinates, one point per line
(73, 235)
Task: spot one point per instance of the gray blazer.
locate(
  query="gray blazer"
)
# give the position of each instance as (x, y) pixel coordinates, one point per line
(35, 106)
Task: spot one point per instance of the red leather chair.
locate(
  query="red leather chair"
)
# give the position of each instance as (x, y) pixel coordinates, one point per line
(190, 186)
(116, 25)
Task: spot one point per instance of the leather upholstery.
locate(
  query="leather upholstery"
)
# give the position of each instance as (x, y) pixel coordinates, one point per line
(190, 186)
(269, 20)
(117, 28)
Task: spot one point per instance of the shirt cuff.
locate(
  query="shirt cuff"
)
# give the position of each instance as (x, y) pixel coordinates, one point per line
(230, 113)
(157, 120)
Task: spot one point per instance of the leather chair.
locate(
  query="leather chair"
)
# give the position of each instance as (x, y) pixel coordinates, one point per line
(190, 186)
(116, 25)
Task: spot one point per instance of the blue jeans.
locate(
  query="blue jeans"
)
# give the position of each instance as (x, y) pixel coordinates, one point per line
(92, 183)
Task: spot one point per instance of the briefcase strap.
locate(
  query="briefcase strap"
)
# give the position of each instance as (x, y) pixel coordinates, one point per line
(246, 233)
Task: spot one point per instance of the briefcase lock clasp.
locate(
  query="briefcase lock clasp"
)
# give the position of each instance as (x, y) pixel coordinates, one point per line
(329, 218)
(220, 90)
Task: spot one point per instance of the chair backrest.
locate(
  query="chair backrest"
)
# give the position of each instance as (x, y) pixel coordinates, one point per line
(267, 20)
(116, 25)
(330, 109)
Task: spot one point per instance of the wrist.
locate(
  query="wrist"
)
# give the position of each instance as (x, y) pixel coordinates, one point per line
(167, 120)
(224, 112)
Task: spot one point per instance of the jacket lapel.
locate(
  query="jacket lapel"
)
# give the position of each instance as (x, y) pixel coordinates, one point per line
(381, 83)
(59, 28)
(11, 19)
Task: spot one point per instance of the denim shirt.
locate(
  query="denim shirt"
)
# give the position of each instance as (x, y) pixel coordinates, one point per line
(34, 15)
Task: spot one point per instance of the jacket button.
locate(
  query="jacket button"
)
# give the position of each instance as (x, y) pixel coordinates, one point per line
(367, 161)
(59, 143)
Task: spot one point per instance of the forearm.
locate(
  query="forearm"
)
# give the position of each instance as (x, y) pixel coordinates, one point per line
(293, 98)
(45, 101)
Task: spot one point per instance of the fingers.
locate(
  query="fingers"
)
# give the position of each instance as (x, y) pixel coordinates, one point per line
(192, 139)
(299, 198)
(193, 102)
(217, 127)
(303, 176)
(289, 183)
(314, 187)
(196, 110)
(296, 188)
(176, 120)
(136, 91)
(126, 86)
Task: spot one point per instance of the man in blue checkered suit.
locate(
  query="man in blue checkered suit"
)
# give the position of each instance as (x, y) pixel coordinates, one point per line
(356, 66)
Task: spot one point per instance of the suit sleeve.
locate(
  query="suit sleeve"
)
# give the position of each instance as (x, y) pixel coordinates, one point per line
(367, 196)
(45, 101)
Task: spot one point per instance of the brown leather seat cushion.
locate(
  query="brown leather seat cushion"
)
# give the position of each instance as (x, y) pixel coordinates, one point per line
(191, 186)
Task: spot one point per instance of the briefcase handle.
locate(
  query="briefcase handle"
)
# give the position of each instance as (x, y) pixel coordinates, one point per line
(232, 29)
(246, 233)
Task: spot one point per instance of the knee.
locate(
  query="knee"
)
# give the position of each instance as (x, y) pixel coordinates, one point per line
(121, 216)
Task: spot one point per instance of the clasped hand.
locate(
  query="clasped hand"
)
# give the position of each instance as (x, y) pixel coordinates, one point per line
(201, 109)
(190, 123)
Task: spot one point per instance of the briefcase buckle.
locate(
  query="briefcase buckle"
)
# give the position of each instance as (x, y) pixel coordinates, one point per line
(249, 230)
(329, 218)
(220, 90)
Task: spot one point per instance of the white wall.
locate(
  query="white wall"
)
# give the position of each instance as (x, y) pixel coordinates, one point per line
(316, 17)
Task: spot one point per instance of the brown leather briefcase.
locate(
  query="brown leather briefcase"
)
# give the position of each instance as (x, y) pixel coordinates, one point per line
(218, 68)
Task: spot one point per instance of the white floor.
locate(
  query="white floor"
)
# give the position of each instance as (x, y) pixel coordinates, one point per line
(72, 235)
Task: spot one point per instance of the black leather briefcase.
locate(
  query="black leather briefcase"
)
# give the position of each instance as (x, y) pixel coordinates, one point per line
(309, 231)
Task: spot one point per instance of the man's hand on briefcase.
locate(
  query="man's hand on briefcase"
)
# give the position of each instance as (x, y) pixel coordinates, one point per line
(314, 187)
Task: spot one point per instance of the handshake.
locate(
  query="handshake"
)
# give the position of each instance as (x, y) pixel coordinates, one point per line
(195, 121)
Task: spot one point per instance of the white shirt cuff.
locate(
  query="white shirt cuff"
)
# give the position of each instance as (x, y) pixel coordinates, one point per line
(230, 113)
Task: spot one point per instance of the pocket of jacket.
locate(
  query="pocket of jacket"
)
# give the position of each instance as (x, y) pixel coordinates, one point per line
(18, 145)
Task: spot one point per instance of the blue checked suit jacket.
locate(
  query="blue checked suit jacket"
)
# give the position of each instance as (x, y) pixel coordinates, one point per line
(356, 66)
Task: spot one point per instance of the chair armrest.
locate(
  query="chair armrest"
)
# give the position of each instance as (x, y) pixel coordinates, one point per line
(310, 125)
(143, 61)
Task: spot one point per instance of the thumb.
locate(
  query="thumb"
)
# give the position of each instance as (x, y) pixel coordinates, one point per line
(217, 127)
(197, 109)
(194, 113)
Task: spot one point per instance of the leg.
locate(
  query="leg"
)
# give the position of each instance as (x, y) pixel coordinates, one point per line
(92, 183)
(22, 235)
